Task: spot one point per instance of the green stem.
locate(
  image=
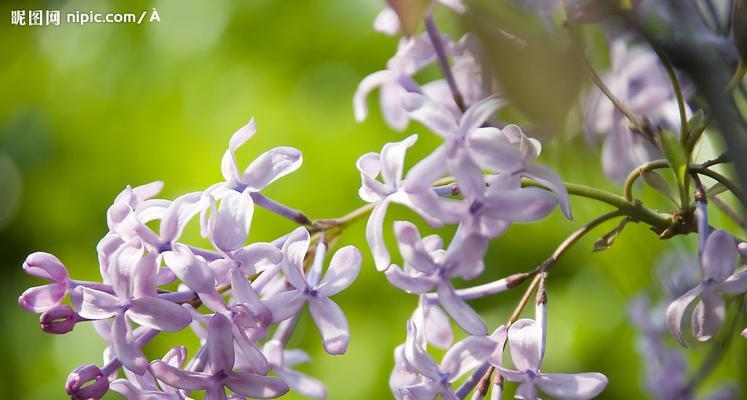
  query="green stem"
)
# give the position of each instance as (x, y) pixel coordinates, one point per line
(701, 169)
(633, 209)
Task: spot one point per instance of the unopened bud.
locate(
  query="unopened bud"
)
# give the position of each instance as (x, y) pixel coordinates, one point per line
(87, 382)
(58, 320)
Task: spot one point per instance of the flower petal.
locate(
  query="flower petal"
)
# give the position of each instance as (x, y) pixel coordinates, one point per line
(548, 177)
(332, 324)
(580, 386)
(467, 355)
(127, 351)
(343, 269)
(491, 151)
(719, 257)
(676, 311)
(522, 205)
(476, 115)
(365, 87)
(220, 350)
(255, 386)
(524, 339)
(467, 173)
(708, 315)
(41, 298)
(417, 356)
(434, 116)
(257, 257)
(303, 384)
(375, 235)
(179, 213)
(179, 378)
(45, 266)
(245, 294)
(412, 248)
(285, 304)
(419, 283)
(294, 252)
(232, 221)
(228, 164)
(192, 270)
(97, 304)
(393, 159)
(462, 313)
(158, 314)
(271, 166)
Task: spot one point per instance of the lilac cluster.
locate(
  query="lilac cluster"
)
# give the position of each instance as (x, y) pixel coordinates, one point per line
(472, 180)
(241, 300)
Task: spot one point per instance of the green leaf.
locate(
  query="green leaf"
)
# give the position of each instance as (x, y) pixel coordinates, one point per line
(606, 241)
(658, 183)
(696, 121)
(678, 160)
(716, 189)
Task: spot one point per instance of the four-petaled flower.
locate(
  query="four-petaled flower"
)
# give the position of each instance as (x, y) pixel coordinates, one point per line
(315, 289)
(525, 341)
(41, 298)
(437, 379)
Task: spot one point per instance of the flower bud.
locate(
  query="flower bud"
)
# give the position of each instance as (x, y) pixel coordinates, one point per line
(58, 320)
(77, 387)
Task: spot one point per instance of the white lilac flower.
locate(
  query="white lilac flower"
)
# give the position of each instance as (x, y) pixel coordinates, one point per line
(437, 379)
(282, 360)
(315, 290)
(387, 22)
(134, 298)
(718, 263)
(389, 164)
(220, 373)
(640, 82)
(526, 345)
(434, 270)
(413, 54)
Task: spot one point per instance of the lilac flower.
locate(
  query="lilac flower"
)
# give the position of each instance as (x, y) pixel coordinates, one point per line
(58, 320)
(315, 289)
(265, 169)
(220, 373)
(488, 148)
(526, 344)
(436, 379)
(42, 298)
(413, 54)
(453, 155)
(247, 313)
(718, 262)
(642, 85)
(433, 271)
(133, 283)
(137, 387)
(387, 22)
(389, 164)
(281, 360)
(130, 223)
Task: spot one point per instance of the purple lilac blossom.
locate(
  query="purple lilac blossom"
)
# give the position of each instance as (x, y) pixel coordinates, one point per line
(315, 290)
(640, 82)
(387, 22)
(718, 263)
(526, 345)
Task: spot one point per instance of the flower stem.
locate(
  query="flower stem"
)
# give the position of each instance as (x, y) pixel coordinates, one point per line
(443, 61)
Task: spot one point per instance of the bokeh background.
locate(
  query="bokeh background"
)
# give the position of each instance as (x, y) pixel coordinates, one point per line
(86, 110)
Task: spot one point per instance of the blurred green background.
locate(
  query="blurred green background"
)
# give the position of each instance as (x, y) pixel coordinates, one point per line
(85, 111)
